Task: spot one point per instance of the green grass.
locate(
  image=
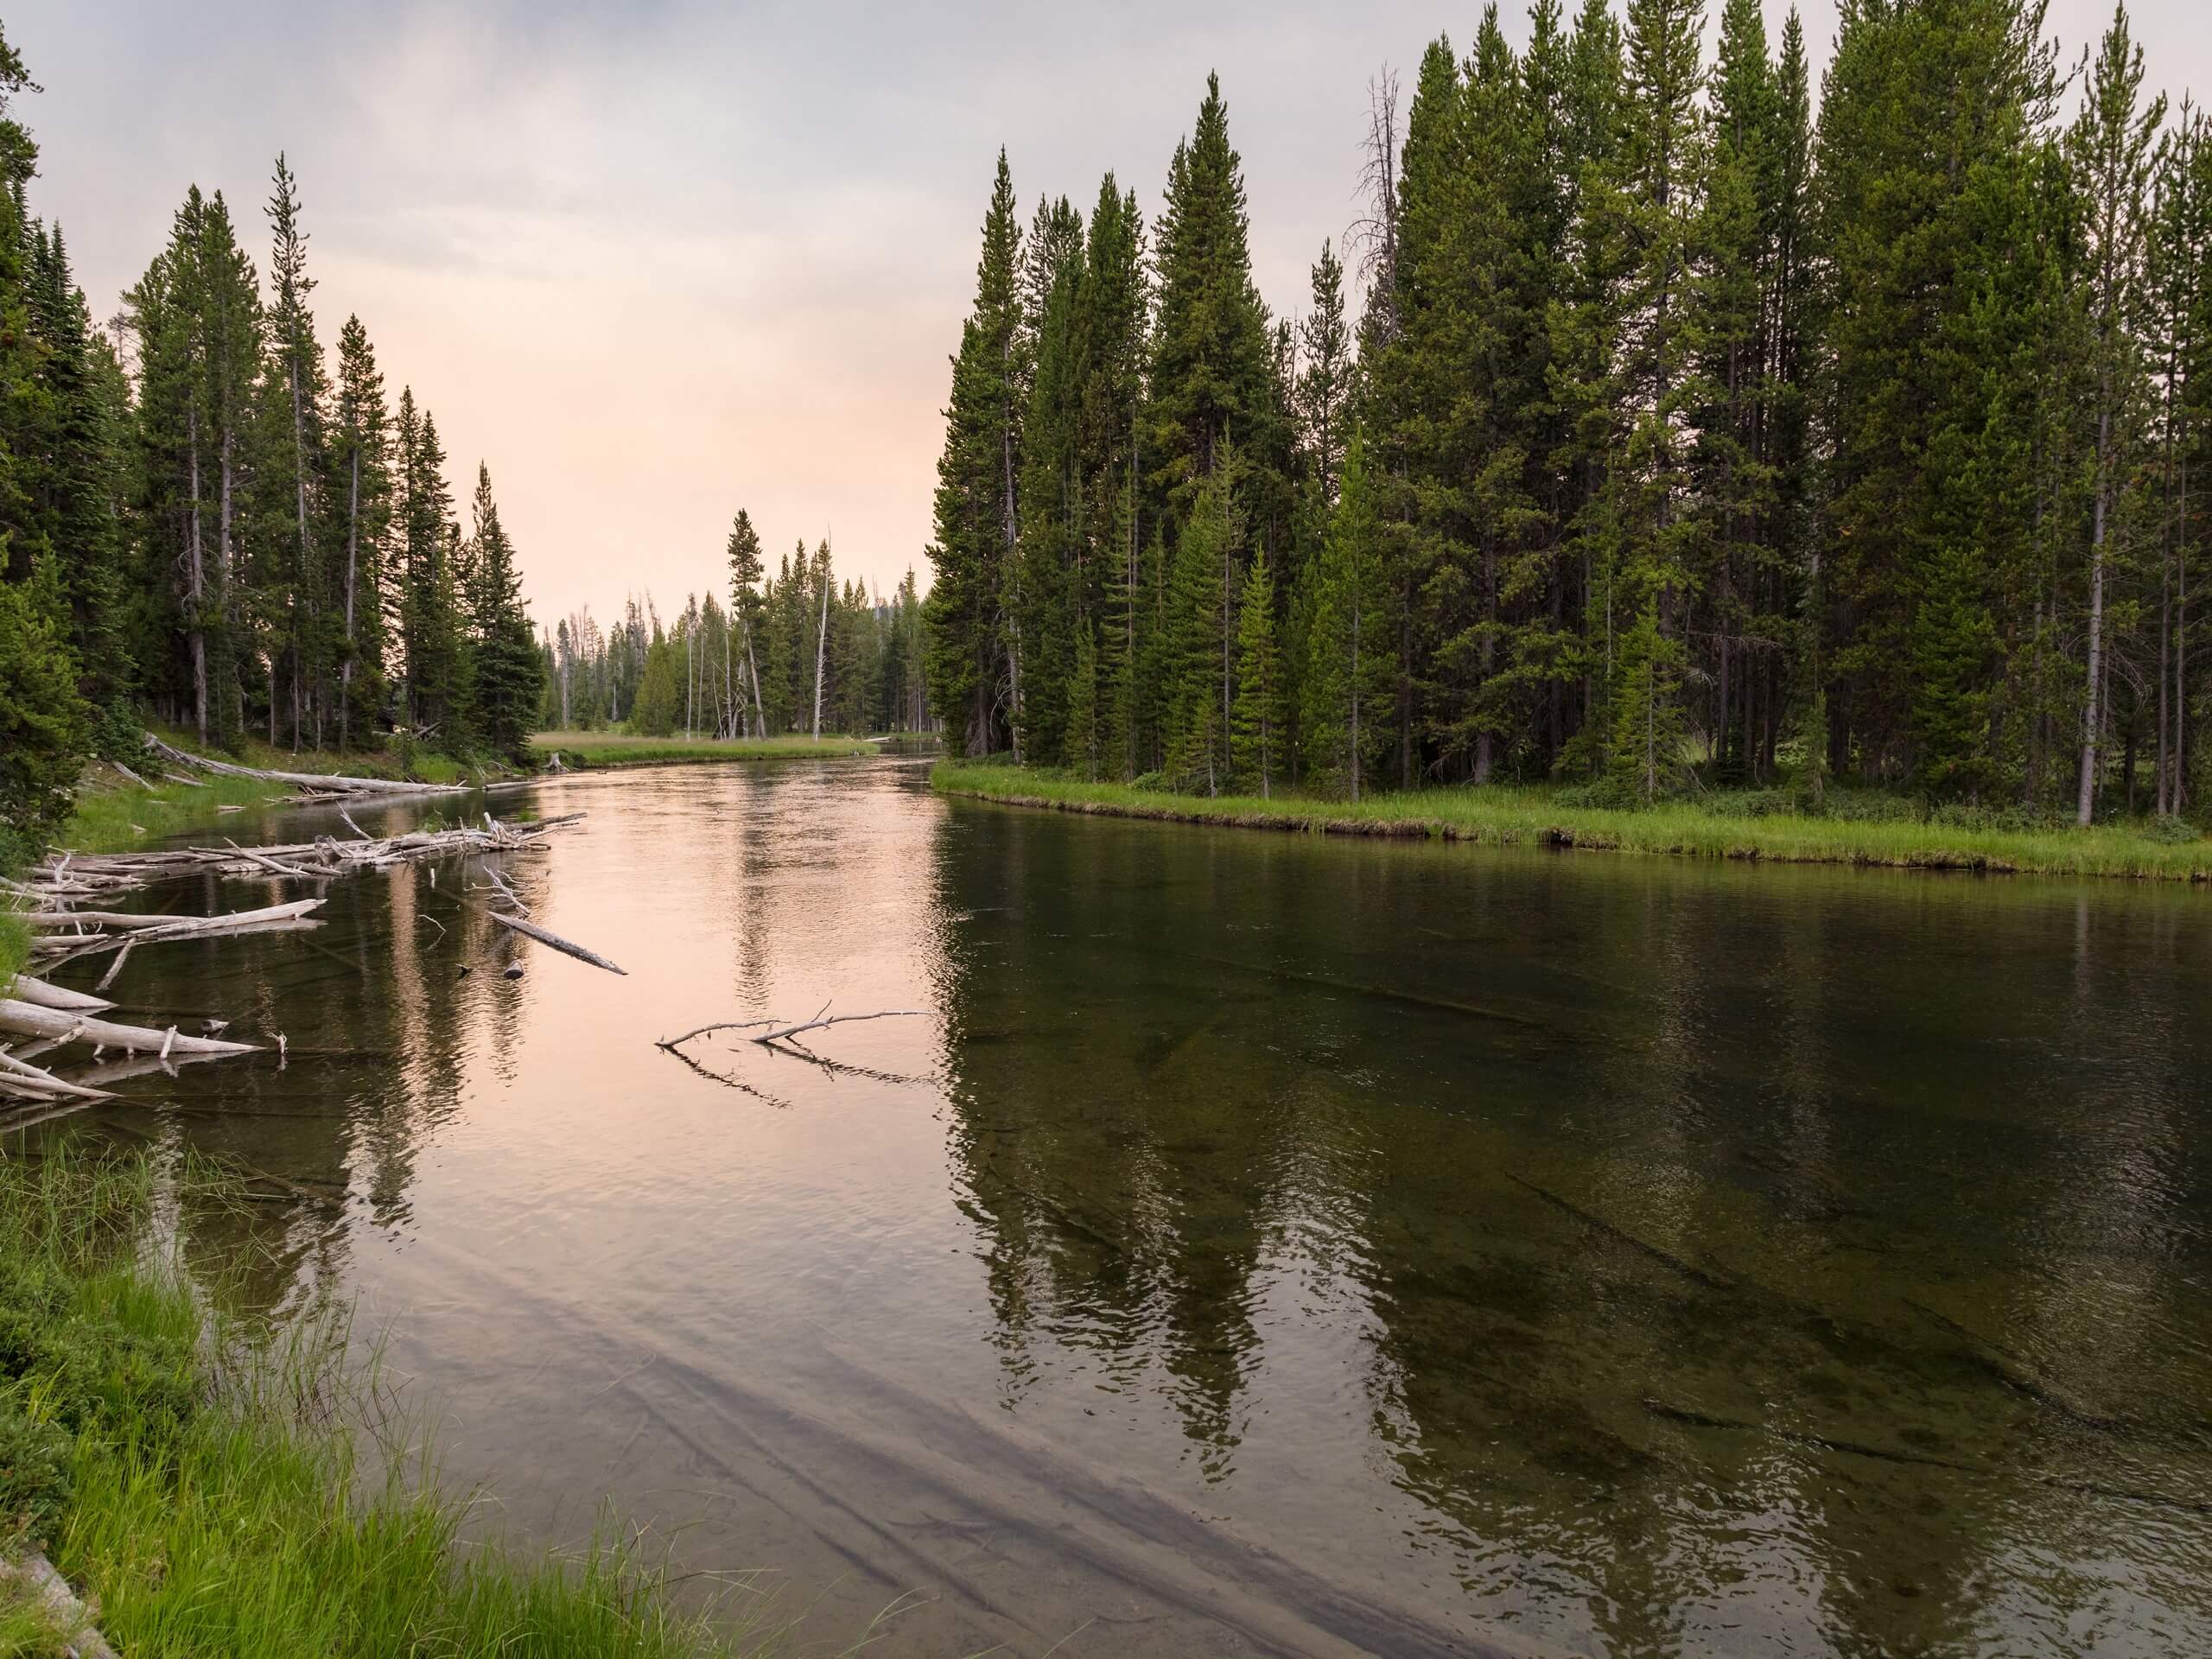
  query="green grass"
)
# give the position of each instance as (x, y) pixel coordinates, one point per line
(200, 1479)
(1509, 815)
(113, 815)
(584, 750)
(15, 943)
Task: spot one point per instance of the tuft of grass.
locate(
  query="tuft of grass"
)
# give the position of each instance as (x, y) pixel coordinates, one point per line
(597, 750)
(15, 943)
(1511, 815)
(218, 1489)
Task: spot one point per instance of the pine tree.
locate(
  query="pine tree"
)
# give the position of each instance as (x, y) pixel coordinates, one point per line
(361, 465)
(1325, 389)
(1197, 694)
(2111, 148)
(430, 624)
(976, 512)
(505, 680)
(746, 608)
(71, 465)
(1256, 728)
(290, 569)
(1346, 685)
(1082, 742)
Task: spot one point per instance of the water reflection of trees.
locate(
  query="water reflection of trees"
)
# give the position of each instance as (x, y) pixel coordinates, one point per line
(381, 1022)
(1733, 1260)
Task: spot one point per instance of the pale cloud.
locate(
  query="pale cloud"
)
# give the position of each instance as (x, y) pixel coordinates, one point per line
(654, 262)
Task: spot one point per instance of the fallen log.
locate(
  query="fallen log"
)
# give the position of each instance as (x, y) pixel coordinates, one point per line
(27, 990)
(148, 926)
(28, 1020)
(332, 782)
(531, 929)
(25, 1076)
(109, 874)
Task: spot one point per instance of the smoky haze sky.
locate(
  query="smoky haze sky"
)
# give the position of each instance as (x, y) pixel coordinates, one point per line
(656, 262)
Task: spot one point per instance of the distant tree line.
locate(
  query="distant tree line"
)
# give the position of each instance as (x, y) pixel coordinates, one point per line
(200, 523)
(794, 650)
(1693, 431)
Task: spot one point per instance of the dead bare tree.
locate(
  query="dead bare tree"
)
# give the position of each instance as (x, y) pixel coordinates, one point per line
(1375, 233)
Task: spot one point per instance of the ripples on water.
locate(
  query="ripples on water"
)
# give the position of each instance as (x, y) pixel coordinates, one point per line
(1269, 1241)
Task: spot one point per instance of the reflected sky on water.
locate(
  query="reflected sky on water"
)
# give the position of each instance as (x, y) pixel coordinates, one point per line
(1262, 1243)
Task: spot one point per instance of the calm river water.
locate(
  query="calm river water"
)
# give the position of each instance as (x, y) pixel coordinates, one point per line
(1265, 1243)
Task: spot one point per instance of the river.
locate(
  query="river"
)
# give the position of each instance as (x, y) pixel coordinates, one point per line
(1261, 1243)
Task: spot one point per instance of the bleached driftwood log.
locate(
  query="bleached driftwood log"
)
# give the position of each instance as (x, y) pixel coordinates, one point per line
(566, 947)
(37, 991)
(321, 782)
(22, 1019)
(150, 924)
(61, 882)
(22, 1080)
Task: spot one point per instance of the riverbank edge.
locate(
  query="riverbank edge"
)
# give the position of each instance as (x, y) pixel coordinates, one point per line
(629, 752)
(1527, 818)
(194, 1478)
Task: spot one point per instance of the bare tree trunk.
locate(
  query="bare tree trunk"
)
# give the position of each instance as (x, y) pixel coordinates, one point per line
(821, 649)
(753, 667)
(305, 589)
(2085, 793)
(196, 584)
(223, 566)
(1355, 701)
(2181, 643)
(353, 563)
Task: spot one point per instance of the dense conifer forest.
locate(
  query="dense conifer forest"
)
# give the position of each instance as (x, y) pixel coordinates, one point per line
(792, 650)
(1699, 429)
(204, 519)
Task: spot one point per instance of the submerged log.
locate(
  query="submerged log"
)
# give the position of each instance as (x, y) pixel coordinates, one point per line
(531, 929)
(28, 1020)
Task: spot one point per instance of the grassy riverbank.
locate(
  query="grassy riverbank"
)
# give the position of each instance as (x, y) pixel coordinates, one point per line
(581, 751)
(198, 1479)
(1506, 815)
(114, 815)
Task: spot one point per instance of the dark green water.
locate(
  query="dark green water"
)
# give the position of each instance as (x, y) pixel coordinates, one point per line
(1266, 1244)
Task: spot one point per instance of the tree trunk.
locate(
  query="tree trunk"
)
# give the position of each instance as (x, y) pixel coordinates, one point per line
(820, 649)
(2085, 793)
(353, 562)
(196, 585)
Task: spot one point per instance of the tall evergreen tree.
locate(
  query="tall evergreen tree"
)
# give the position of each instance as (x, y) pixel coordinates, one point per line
(975, 660)
(361, 467)
(505, 680)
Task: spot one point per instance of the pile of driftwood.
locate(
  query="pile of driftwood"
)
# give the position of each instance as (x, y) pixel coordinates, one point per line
(52, 1018)
(62, 888)
(63, 879)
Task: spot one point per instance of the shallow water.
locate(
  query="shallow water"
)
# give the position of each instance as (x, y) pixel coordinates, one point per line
(1264, 1243)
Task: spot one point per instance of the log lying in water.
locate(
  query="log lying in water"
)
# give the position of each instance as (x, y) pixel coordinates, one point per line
(37, 991)
(53, 1024)
(21, 1080)
(61, 882)
(531, 929)
(154, 923)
